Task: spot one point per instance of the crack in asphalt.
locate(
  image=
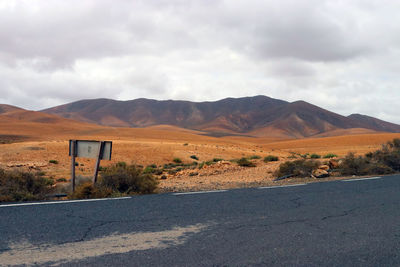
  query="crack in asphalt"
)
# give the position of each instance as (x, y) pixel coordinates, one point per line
(296, 202)
(343, 214)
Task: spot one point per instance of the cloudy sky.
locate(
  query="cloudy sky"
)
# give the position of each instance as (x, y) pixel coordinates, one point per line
(343, 55)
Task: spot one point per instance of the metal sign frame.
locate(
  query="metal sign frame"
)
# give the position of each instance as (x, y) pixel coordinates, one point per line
(89, 149)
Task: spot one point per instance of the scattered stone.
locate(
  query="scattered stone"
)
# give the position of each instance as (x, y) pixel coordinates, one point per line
(324, 167)
(319, 173)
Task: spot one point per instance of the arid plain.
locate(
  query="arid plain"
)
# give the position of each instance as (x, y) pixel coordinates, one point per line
(29, 140)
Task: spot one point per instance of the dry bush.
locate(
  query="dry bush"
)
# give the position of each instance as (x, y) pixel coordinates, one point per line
(297, 168)
(244, 162)
(23, 186)
(88, 190)
(128, 179)
(117, 180)
(271, 158)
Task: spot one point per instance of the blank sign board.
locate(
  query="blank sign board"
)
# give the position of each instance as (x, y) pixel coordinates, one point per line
(90, 149)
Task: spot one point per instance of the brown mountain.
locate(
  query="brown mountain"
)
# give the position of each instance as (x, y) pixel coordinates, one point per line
(256, 116)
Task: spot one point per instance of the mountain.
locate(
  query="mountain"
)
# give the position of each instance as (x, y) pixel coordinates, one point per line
(375, 123)
(8, 108)
(255, 116)
(18, 124)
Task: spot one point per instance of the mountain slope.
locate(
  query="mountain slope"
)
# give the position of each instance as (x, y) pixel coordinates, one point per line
(257, 116)
(374, 123)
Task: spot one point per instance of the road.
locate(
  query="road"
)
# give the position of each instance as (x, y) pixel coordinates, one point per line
(339, 223)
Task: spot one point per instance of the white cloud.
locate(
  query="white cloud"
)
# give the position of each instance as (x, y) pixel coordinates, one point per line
(340, 55)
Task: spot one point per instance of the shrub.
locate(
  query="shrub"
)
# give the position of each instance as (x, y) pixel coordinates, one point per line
(306, 155)
(271, 158)
(88, 190)
(23, 186)
(158, 172)
(315, 156)
(330, 155)
(217, 159)
(354, 165)
(128, 179)
(194, 157)
(61, 180)
(244, 162)
(185, 144)
(255, 157)
(149, 169)
(201, 165)
(53, 161)
(177, 160)
(297, 168)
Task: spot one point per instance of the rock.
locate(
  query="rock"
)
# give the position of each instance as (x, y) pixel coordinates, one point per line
(324, 167)
(319, 173)
(333, 164)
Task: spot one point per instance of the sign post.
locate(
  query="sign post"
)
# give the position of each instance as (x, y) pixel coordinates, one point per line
(89, 149)
(72, 144)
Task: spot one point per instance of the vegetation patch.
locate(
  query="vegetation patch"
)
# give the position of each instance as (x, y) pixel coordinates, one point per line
(297, 168)
(270, 158)
(244, 162)
(118, 179)
(194, 157)
(330, 155)
(177, 160)
(23, 186)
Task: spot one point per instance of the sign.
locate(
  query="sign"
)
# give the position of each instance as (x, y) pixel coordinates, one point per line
(91, 149)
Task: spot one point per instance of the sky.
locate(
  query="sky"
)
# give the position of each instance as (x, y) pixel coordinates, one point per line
(341, 55)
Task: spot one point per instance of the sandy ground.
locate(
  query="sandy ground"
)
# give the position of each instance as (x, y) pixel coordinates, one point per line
(161, 146)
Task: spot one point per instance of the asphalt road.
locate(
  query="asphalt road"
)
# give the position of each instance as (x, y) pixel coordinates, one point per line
(340, 223)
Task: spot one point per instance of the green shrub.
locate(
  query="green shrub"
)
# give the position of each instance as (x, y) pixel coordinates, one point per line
(304, 156)
(149, 169)
(177, 160)
(315, 156)
(194, 157)
(217, 159)
(244, 162)
(255, 157)
(297, 168)
(201, 165)
(270, 158)
(53, 161)
(23, 186)
(330, 155)
(61, 180)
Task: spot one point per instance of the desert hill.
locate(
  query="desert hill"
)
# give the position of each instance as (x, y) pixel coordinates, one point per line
(256, 116)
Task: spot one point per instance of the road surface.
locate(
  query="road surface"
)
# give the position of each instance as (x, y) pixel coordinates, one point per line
(339, 223)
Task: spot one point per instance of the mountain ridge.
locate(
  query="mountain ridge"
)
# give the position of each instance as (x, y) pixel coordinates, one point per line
(247, 115)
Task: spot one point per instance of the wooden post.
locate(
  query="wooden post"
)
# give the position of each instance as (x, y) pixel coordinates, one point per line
(100, 155)
(73, 153)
